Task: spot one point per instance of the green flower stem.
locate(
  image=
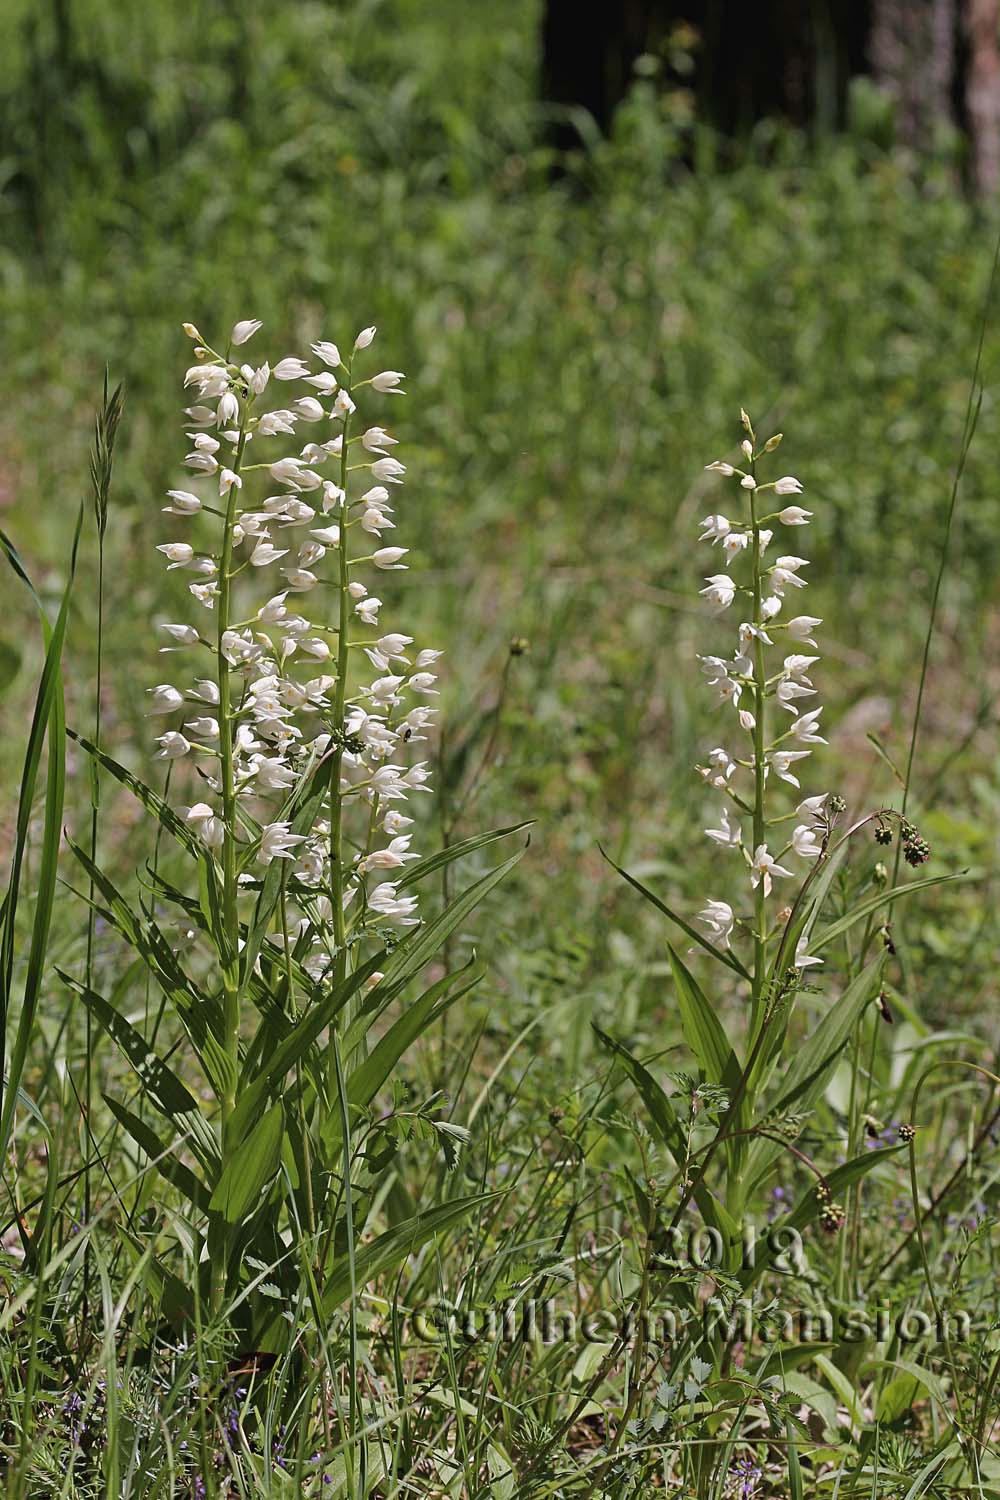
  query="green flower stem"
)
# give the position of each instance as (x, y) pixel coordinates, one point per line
(230, 913)
(339, 708)
(760, 697)
(230, 954)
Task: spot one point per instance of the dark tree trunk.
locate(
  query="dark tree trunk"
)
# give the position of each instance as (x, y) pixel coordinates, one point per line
(938, 60)
(982, 92)
(913, 60)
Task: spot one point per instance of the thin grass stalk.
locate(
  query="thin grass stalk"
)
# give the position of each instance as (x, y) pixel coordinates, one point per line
(33, 1354)
(928, 1275)
(47, 727)
(972, 410)
(101, 468)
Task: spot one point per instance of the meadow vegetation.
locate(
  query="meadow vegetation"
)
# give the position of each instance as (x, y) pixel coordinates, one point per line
(554, 1112)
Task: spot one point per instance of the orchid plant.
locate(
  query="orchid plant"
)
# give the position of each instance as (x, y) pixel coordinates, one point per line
(748, 1106)
(294, 728)
(745, 1110)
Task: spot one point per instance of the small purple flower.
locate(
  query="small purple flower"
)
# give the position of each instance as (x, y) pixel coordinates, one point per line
(747, 1475)
(278, 1449)
(781, 1199)
(76, 1424)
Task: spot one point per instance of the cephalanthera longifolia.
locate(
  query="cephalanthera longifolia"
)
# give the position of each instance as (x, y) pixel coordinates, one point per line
(728, 1130)
(291, 727)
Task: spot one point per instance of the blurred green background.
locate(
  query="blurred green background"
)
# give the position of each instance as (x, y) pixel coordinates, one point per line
(579, 332)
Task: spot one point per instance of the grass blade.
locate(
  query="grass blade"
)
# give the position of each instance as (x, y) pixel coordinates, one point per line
(48, 723)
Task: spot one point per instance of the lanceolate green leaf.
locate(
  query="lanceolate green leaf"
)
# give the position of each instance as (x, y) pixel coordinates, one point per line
(256, 988)
(411, 955)
(662, 1113)
(799, 928)
(840, 1178)
(723, 955)
(914, 1375)
(815, 1059)
(293, 1047)
(883, 899)
(389, 1251)
(813, 1062)
(702, 1028)
(147, 939)
(898, 1396)
(158, 1081)
(150, 800)
(250, 1167)
(807, 1209)
(442, 857)
(163, 1154)
(362, 1023)
(371, 1074)
(199, 1013)
(176, 1297)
